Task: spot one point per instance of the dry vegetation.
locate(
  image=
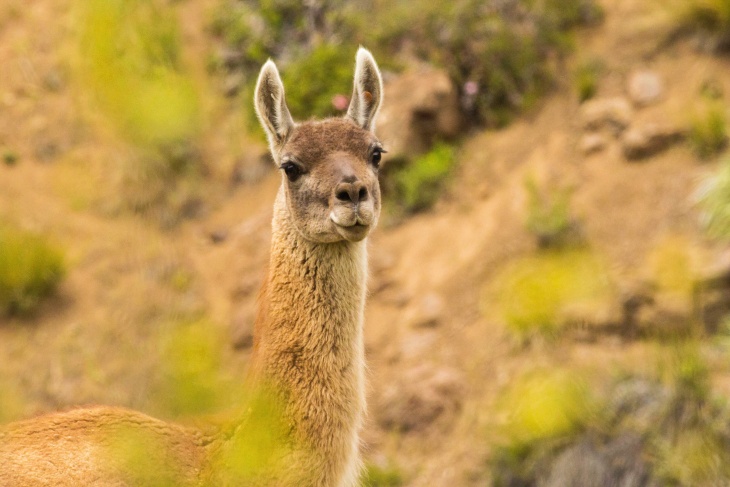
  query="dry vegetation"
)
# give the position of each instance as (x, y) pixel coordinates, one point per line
(536, 309)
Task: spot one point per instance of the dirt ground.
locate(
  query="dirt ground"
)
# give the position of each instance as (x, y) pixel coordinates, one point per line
(97, 341)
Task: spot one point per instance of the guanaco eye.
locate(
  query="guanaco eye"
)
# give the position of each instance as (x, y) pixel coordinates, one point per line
(291, 170)
(376, 156)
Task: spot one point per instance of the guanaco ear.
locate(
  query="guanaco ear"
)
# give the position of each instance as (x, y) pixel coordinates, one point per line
(271, 106)
(368, 91)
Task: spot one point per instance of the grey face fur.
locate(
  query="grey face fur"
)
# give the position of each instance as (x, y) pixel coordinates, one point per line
(329, 167)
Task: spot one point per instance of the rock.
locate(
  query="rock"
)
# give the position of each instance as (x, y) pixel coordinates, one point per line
(591, 143)
(242, 328)
(428, 311)
(648, 140)
(422, 396)
(419, 107)
(620, 462)
(613, 113)
(645, 87)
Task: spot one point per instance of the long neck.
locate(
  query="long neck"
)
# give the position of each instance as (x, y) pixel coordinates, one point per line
(309, 343)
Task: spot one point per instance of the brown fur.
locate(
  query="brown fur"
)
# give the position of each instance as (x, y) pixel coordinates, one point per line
(308, 338)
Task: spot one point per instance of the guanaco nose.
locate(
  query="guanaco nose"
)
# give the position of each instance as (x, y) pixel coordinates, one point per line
(353, 192)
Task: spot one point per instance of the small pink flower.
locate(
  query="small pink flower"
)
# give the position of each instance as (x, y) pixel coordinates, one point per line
(471, 88)
(340, 102)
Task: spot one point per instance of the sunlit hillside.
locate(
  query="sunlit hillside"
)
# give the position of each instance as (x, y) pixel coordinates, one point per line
(549, 289)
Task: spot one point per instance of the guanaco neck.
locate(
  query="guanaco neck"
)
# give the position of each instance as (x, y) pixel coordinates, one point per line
(309, 342)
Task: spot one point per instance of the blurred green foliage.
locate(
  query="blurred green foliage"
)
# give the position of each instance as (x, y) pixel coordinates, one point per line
(548, 215)
(543, 406)
(585, 79)
(708, 129)
(376, 476)
(192, 381)
(312, 81)
(131, 63)
(419, 183)
(142, 456)
(714, 199)
(673, 266)
(709, 17)
(9, 157)
(533, 293)
(507, 48)
(30, 269)
(193, 385)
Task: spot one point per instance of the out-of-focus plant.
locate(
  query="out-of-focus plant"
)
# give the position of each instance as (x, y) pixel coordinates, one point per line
(131, 67)
(30, 269)
(418, 184)
(710, 18)
(313, 80)
(192, 382)
(673, 266)
(500, 54)
(376, 476)
(11, 402)
(548, 215)
(585, 79)
(532, 294)
(506, 49)
(542, 406)
(250, 417)
(10, 157)
(142, 457)
(708, 129)
(714, 199)
(131, 63)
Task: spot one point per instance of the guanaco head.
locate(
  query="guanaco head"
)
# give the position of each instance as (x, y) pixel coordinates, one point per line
(329, 167)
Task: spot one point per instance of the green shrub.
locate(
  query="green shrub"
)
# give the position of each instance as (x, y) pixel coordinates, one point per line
(548, 216)
(708, 130)
(585, 79)
(30, 270)
(376, 476)
(533, 294)
(711, 18)
(131, 64)
(10, 158)
(498, 53)
(542, 406)
(313, 80)
(714, 199)
(419, 183)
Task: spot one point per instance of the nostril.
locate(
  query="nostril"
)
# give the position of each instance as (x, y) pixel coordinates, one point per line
(362, 194)
(342, 195)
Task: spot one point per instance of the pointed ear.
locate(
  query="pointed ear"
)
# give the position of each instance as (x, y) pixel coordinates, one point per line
(368, 91)
(271, 106)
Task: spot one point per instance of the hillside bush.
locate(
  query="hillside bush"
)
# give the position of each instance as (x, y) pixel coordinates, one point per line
(585, 79)
(499, 54)
(709, 18)
(549, 217)
(533, 293)
(376, 476)
(30, 270)
(419, 183)
(714, 199)
(708, 130)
